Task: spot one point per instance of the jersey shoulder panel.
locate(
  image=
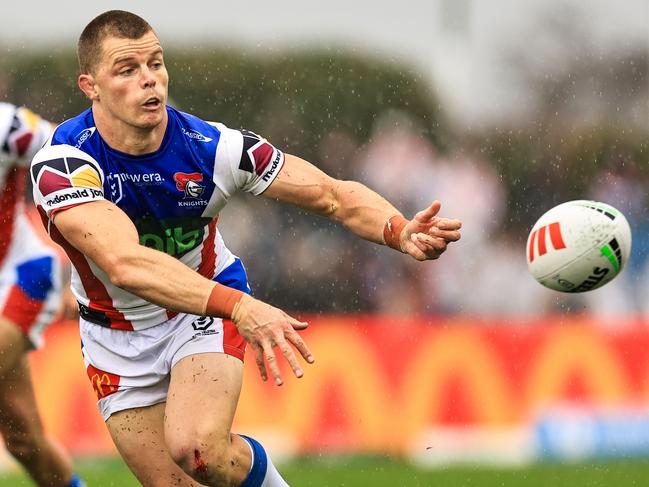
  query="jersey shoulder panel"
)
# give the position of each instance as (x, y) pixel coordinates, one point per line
(195, 127)
(22, 133)
(74, 132)
(64, 176)
(253, 161)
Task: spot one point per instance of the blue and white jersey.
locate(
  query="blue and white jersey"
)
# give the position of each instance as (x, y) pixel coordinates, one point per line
(173, 196)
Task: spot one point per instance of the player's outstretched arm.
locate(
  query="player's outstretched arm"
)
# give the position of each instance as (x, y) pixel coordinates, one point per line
(104, 233)
(363, 211)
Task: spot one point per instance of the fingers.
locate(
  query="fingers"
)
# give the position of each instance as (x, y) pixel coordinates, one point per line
(290, 357)
(299, 325)
(424, 247)
(269, 355)
(447, 235)
(259, 359)
(425, 215)
(293, 337)
(448, 224)
(281, 336)
(301, 346)
(427, 242)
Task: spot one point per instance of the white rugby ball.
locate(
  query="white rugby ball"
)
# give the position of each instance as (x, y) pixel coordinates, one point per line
(578, 246)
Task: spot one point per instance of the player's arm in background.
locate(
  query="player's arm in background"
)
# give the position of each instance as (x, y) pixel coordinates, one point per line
(104, 234)
(364, 212)
(26, 134)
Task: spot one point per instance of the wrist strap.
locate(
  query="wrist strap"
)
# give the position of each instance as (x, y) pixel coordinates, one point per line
(222, 301)
(392, 231)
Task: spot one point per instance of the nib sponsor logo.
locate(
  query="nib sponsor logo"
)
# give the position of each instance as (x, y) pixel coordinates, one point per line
(175, 241)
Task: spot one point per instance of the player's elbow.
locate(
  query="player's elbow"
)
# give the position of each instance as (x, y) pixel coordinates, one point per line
(122, 277)
(328, 202)
(342, 199)
(122, 271)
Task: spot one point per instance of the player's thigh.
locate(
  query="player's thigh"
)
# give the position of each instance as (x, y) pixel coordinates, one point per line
(202, 399)
(13, 346)
(139, 437)
(19, 417)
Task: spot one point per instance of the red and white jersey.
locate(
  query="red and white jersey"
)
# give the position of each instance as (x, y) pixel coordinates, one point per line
(22, 134)
(30, 283)
(173, 197)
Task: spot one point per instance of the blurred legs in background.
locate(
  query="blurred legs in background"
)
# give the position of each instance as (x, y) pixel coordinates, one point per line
(20, 424)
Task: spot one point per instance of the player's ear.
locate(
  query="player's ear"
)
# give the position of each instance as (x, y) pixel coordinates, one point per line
(87, 84)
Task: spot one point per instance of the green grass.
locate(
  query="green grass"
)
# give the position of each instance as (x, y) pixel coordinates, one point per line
(381, 472)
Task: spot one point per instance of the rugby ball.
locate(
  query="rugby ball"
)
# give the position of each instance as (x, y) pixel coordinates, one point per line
(578, 246)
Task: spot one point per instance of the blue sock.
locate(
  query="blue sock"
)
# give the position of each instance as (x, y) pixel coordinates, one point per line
(76, 481)
(259, 464)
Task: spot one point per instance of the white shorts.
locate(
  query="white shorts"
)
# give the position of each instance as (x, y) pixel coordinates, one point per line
(131, 369)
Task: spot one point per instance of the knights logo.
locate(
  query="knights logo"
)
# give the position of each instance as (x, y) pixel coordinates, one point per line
(188, 183)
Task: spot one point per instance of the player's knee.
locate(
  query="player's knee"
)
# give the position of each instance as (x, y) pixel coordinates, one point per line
(204, 459)
(22, 446)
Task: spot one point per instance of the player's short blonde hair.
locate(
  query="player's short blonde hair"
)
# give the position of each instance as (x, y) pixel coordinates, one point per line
(117, 23)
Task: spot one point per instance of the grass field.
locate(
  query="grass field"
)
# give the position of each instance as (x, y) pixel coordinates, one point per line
(381, 472)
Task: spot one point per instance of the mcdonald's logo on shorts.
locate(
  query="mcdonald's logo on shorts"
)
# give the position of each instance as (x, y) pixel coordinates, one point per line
(104, 383)
(538, 240)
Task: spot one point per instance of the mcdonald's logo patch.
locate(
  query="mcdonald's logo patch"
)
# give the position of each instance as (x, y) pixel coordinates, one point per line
(103, 383)
(538, 240)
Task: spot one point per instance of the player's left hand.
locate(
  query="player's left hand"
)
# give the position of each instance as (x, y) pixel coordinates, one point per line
(426, 236)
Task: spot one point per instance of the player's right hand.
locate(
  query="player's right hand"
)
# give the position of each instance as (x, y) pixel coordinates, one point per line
(265, 327)
(427, 236)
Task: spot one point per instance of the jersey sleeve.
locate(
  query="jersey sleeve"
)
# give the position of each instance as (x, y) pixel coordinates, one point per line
(249, 161)
(26, 134)
(64, 176)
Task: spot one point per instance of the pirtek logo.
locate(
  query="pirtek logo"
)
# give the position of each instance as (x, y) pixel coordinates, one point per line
(538, 238)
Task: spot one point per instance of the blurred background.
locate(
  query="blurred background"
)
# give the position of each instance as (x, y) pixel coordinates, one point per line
(500, 110)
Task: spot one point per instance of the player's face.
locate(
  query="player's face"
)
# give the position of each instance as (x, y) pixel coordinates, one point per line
(132, 81)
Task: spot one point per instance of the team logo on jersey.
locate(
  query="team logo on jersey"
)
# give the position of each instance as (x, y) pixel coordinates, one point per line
(67, 180)
(195, 135)
(188, 183)
(115, 186)
(258, 154)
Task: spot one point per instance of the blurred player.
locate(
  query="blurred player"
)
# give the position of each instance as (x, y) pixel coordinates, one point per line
(30, 294)
(131, 188)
